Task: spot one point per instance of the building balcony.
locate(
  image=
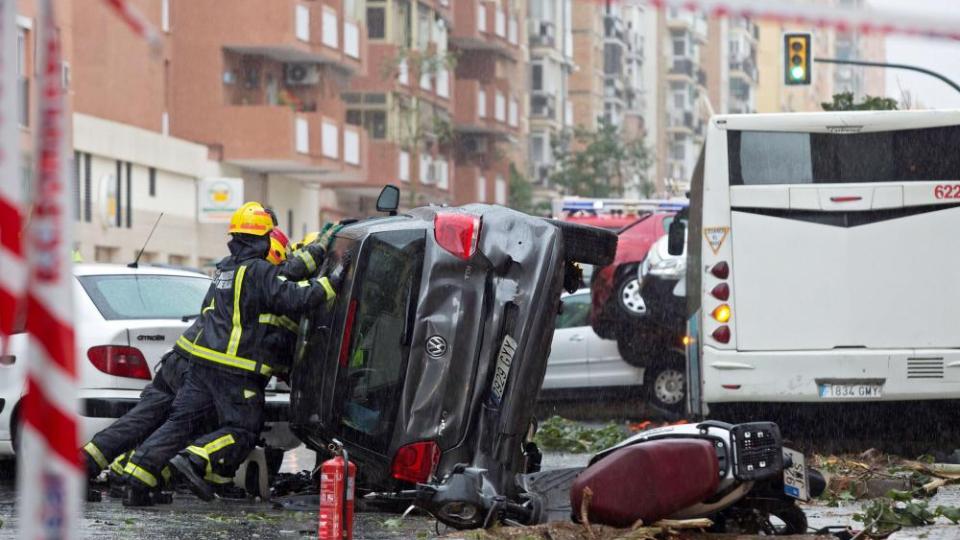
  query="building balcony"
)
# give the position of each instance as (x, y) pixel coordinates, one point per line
(486, 108)
(482, 180)
(543, 34)
(682, 69)
(681, 122)
(687, 21)
(614, 29)
(482, 25)
(746, 26)
(543, 105)
(745, 70)
(701, 77)
(278, 139)
(293, 32)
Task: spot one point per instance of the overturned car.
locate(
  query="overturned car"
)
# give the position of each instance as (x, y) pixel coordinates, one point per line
(432, 357)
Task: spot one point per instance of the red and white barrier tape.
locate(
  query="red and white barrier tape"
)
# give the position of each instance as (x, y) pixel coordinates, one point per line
(137, 22)
(13, 276)
(50, 481)
(841, 19)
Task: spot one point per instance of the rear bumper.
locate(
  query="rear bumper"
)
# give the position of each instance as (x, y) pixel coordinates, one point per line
(795, 377)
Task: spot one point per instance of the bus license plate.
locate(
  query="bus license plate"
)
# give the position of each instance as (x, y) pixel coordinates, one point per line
(851, 391)
(504, 359)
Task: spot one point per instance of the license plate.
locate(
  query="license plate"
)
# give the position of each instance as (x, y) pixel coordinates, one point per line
(851, 391)
(504, 359)
(795, 476)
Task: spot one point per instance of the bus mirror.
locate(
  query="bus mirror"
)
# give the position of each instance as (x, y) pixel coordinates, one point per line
(677, 237)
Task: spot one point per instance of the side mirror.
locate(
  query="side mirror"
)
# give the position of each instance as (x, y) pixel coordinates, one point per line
(389, 200)
(677, 237)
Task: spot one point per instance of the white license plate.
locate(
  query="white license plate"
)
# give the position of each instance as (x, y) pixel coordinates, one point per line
(504, 359)
(795, 476)
(851, 391)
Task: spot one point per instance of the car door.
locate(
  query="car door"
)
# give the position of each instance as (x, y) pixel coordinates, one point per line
(568, 365)
(606, 367)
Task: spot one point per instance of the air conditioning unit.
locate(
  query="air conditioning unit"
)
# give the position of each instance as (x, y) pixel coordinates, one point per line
(475, 145)
(302, 74)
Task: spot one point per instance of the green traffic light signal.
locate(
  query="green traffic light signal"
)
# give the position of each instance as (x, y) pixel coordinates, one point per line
(797, 57)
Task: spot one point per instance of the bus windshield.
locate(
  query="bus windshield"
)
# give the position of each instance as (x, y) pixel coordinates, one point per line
(773, 158)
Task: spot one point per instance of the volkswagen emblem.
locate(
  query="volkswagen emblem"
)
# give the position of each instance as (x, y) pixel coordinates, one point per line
(436, 346)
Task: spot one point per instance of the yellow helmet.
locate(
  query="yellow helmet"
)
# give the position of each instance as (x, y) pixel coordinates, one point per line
(279, 245)
(251, 218)
(307, 240)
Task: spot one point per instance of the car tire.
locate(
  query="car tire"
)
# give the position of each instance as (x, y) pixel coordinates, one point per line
(589, 245)
(639, 344)
(629, 301)
(666, 385)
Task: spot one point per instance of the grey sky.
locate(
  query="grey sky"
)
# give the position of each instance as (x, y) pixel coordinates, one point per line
(937, 55)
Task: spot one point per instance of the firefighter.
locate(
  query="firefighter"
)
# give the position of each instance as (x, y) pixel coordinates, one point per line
(229, 364)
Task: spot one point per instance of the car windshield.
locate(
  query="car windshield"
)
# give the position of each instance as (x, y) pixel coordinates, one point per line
(145, 296)
(378, 327)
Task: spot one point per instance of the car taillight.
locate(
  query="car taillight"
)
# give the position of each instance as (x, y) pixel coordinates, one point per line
(416, 462)
(457, 233)
(347, 333)
(721, 292)
(720, 270)
(120, 361)
(722, 334)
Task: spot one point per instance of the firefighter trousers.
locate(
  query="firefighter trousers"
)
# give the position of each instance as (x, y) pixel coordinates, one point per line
(236, 399)
(136, 425)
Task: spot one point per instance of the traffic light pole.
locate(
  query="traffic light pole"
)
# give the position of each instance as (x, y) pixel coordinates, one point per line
(864, 63)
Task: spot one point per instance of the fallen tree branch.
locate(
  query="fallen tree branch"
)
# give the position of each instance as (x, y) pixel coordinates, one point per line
(584, 511)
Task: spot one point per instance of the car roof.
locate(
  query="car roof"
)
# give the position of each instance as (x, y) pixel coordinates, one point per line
(97, 269)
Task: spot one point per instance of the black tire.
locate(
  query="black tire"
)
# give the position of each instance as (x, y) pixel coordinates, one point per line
(666, 385)
(588, 245)
(640, 344)
(274, 458)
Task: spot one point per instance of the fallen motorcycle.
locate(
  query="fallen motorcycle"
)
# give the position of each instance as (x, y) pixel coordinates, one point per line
(739, 476)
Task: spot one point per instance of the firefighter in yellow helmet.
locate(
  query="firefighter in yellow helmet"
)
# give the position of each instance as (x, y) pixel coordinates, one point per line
(229, 364)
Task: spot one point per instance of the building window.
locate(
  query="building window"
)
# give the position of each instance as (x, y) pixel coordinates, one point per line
(368, 111)
(153, 182)
(538, 148)
(376, 22)
(536, 72)
(87, 190)
(424, 22)
(481, 189)
(679, 46)
(177, 260)
(404, 166)
(104, 254)
(77, 191)
(129, 195)
(677, 151)
(500, 190)
(23, 80)
(118, 178)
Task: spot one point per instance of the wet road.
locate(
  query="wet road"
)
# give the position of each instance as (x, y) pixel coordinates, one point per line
(191, 518)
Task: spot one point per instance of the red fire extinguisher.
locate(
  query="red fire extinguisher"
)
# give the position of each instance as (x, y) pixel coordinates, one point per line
(337, 479)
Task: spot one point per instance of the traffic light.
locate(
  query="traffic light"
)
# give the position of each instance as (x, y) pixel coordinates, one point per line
(797, 58)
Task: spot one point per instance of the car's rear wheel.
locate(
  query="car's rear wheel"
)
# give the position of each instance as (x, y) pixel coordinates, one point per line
(667, 385)
(590, 245)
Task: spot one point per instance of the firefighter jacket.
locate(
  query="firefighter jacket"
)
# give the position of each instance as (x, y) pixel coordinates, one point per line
(232, 330)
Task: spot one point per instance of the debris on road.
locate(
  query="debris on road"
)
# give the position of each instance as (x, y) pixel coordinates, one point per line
(558, 434)
(571, 531)
(887, 515)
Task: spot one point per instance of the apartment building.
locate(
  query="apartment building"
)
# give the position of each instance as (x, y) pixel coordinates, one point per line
(490, 107)
(551, 49)
(730, 61)
(587, 82)
(683, 85)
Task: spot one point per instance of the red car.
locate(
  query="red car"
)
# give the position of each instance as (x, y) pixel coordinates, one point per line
(615, 289)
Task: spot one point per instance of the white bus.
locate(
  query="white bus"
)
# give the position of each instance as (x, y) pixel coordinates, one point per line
(824, 259)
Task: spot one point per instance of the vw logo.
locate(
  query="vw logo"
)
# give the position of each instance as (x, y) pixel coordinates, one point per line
(436, 346)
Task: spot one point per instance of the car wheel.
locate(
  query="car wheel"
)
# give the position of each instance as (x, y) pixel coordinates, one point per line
(629, 299)
(667, 387)
(590, 245)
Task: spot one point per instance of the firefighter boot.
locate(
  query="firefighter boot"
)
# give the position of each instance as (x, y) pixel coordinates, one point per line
(187, 470)
(136, 495)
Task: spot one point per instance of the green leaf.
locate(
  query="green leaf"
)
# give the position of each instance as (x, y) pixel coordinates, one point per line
(901, 496)
(950, 512)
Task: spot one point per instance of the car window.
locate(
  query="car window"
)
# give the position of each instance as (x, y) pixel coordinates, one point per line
(389, 283)
(576, 311)
(145, 296)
